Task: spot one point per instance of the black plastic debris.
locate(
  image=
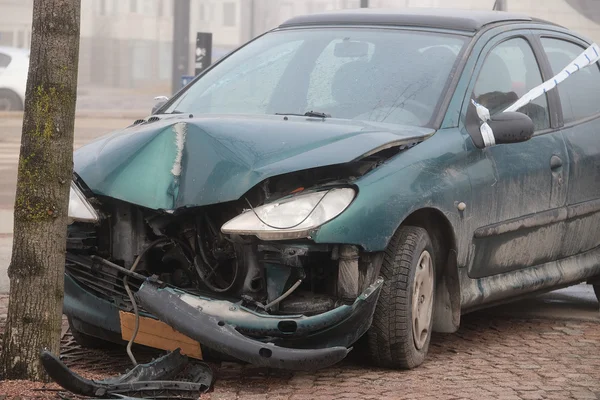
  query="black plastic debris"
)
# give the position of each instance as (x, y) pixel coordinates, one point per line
(154, 380)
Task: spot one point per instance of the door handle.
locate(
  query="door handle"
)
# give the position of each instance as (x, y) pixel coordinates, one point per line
(555, 163)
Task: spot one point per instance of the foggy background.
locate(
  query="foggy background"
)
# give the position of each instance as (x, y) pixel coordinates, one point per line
(126, 53)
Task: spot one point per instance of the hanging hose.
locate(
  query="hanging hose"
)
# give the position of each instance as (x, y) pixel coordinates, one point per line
(283, 296)
(132, 299)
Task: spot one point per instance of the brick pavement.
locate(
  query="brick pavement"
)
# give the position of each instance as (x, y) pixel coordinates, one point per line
(491, 357)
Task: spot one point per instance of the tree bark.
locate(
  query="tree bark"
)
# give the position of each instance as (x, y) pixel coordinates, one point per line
(36, 269)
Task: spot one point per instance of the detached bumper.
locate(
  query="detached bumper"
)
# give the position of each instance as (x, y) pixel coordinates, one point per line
(290, 342)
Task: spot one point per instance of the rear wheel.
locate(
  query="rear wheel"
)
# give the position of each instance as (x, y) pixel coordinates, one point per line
(401, 331)
(9, 101)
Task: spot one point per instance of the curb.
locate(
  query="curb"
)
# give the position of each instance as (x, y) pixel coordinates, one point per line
(111, 114)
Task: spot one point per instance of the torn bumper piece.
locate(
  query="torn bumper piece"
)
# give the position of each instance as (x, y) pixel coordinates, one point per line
(322, 346)
(153, 377)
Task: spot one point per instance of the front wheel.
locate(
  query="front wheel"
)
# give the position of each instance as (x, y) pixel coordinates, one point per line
(9, 101)
(401, 330)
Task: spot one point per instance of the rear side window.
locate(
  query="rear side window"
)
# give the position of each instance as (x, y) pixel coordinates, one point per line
(580, 93)
(4, 60)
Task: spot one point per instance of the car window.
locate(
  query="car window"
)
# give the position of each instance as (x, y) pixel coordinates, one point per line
(580, 93)
(320, 88)
(509, 71)
(247, 87)
(362, 74)
(4, 60)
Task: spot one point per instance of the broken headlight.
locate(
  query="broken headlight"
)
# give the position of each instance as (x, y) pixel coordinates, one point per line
(291, 217)
(79, 208)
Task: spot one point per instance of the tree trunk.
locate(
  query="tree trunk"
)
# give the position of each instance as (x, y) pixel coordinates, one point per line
(36, 269)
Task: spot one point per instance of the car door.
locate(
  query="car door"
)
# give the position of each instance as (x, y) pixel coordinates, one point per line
(580, 108)
(519, 189)
(4, 62)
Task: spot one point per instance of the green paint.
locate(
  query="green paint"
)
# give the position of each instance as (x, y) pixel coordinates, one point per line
(223, 157)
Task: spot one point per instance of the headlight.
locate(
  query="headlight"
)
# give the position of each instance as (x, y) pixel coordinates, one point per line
(293, 217)
(79, 208)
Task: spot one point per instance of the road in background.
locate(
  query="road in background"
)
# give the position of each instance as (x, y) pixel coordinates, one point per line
(86, 129)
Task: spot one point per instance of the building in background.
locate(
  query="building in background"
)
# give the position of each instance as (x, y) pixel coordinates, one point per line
(15, 23)
(128, 43)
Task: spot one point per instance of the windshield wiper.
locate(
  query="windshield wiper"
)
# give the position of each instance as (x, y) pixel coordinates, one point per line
(308, 114)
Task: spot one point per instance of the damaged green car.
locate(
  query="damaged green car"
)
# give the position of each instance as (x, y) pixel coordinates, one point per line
(338, 178)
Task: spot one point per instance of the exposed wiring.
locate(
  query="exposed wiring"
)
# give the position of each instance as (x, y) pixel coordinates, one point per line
(283, 296)
(132, 299)
(288, 227)
(213, 270)
(205, 277)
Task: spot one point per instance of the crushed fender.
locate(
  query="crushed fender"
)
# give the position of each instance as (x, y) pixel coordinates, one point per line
(152, 379)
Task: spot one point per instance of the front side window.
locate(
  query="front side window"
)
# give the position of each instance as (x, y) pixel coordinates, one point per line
(579, 93)
(509, 71)
(387, 76)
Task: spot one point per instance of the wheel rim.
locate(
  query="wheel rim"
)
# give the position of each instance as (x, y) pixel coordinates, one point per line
(5, 104)
(422, 299)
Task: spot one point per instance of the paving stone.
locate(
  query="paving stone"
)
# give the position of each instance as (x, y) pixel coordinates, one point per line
(486, 363)
(518, 360)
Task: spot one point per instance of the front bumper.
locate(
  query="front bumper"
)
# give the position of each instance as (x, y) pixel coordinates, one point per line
(330, 335)
(287, 342)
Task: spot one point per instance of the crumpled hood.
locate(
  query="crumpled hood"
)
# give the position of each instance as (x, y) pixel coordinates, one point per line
(181, 161)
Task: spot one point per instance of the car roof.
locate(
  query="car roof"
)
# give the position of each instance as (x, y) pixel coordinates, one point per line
(452, 19)
(14, 51)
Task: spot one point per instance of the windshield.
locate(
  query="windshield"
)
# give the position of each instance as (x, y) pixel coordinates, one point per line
(381, 75)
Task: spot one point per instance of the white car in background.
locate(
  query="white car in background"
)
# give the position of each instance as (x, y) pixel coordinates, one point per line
(14, 64)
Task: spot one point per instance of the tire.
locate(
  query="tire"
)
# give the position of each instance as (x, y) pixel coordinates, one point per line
(10, 101)
(90, 342)
(597, 291)
(391, 338)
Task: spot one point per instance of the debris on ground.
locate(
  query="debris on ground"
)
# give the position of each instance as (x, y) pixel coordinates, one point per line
(492, 356)
(82, 373)
(152, 380)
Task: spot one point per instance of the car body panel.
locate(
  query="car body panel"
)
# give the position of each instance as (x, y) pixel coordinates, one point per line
(326, 337)
(430, 175)
(488, 231)
(497, 289)
(509, 209)
(14, 77)
(223, 156)
(582, 215)
(512, 183)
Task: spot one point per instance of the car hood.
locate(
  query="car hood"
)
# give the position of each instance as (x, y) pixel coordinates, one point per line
(174, 161)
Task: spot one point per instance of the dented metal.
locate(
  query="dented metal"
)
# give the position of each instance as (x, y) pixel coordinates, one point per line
(531, 223)
(154, 377)
(262, 324)
(220, 158)
(186, 315)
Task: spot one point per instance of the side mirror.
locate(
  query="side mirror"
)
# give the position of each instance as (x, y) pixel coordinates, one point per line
(160, 101)
(511, 127)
